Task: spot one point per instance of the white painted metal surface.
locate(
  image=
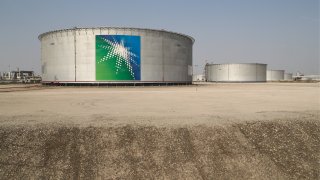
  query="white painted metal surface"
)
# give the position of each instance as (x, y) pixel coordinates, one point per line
(246, 72)
(288, 77)
(275, 75)
(69, 55)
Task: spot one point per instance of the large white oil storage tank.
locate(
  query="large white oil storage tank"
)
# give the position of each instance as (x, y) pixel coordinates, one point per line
(244, 72)
(288, 77)
(275, 75)
(108, 55)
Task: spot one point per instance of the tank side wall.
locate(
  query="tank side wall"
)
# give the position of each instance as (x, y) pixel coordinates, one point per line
(237, 72)
(261, 72)
(218, 72)
(275, 75)
(234, 72)
(288, 76)
(269, 75)
(177, 59)
(164, 56)
(281, 75)
(85, 53)
(57, 57)
(242, 72)
(151, 57)
(211, 73)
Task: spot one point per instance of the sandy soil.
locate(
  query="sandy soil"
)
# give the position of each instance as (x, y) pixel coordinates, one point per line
(208, 131)
(215, 103)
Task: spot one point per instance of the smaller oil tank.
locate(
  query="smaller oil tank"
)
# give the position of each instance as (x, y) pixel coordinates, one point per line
(275, 75)
(236, 72)
(288, 77)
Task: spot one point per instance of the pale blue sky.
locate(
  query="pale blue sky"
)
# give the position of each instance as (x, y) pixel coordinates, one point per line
(281, 33)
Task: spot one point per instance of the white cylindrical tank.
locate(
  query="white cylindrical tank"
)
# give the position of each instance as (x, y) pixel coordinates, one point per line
(288, 76)
(275, 75)
(115, 55)
(245, 72)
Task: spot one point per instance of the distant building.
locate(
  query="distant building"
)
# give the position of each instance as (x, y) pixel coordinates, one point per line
(20, 77)
(302, 77)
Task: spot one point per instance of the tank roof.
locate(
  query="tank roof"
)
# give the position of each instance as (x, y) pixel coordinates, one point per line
(210, 64)
(86, 28)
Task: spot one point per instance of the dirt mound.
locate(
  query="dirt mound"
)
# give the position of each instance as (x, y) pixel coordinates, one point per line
(258, 150)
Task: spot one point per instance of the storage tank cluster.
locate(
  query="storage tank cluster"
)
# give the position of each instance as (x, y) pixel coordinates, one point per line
(112, 55)
(244, 72)
(107, 55)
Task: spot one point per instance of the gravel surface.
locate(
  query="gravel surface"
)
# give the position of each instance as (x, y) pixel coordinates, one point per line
(208, 131)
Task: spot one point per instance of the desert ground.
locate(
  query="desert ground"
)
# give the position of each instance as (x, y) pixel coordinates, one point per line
(202, 131)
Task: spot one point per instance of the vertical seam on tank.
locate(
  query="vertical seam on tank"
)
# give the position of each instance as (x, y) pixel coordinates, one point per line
(256, 72)
(75, 54)
(228, 72)
(162, 57)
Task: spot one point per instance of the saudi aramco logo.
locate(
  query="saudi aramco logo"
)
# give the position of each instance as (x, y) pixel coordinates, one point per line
(118, 57)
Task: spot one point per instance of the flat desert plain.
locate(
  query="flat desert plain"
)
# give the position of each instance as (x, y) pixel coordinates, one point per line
(202, 131)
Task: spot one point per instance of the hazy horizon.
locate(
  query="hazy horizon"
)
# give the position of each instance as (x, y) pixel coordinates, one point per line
(281, 33)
